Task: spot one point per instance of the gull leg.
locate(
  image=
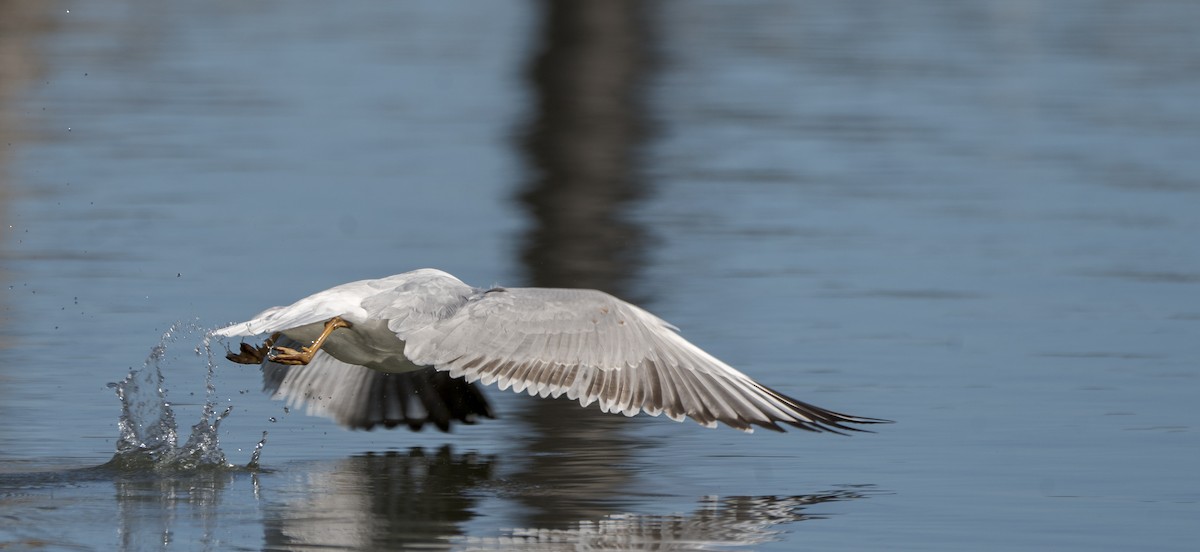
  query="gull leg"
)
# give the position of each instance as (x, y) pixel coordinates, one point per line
(287, 355)
(253, 355)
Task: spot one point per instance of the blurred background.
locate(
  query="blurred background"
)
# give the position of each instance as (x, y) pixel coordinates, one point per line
(976, 218)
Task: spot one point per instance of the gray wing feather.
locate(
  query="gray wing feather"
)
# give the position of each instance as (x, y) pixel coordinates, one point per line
(408, 300)
(342, 300)
(595, 348)
(271, 320)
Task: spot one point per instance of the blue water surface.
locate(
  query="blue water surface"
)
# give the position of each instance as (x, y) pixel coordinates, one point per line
(977, 219)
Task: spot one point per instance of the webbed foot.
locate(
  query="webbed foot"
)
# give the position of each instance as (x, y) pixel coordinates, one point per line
(252, 355)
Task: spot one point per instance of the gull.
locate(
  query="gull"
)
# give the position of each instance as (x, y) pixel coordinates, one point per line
(412, 349)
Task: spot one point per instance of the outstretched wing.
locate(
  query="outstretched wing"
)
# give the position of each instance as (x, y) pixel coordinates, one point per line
(344, 300)
(593, 347)
(410, 299)
(360, 398)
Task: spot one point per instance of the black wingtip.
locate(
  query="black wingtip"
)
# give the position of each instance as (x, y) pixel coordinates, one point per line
(822, 419)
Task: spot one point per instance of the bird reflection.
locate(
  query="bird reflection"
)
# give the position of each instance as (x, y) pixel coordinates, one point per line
(380, 502)
(715, 523)
(419, 499)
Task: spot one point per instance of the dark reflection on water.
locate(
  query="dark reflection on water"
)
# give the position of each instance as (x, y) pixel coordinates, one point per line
(415, 499)
(379, 501)
(716, 523)
(582, 145)
(420, 499)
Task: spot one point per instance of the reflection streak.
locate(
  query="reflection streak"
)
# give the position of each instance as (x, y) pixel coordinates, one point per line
(426, 499)
(582, 144)
(716, 523)
(379, 501)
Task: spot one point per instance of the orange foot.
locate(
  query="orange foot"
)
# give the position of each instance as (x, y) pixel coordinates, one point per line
(293, 357)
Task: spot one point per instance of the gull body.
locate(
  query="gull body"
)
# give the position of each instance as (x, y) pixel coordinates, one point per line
(412, 348)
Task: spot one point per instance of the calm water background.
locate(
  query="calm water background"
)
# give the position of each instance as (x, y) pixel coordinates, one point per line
(979, 219)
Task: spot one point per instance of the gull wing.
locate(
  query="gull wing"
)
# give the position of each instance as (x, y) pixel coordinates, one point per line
(318, 307)
(410, 299)
(361, 398)
(595, 348)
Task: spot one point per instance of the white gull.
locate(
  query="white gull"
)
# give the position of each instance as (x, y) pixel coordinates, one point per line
(408, 350)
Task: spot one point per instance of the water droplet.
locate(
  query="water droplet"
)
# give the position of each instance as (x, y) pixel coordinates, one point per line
(255, 456)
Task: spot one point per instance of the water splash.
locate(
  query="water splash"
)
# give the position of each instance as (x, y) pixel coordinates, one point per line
(147, 423)
(148, 432)
(257, 454)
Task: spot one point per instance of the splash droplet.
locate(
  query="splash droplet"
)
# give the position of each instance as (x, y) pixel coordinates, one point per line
(147, 426)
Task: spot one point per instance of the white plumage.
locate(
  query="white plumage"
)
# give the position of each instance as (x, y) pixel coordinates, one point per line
(585, 344)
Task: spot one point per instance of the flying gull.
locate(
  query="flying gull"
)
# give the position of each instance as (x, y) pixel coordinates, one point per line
(411, 349)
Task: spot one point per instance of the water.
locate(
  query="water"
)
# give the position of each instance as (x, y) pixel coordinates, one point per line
(977, 220)
(147, 433)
